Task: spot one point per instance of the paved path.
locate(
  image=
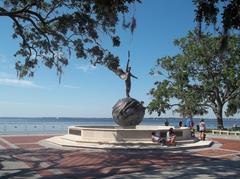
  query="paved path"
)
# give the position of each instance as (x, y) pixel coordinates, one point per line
(26, 157)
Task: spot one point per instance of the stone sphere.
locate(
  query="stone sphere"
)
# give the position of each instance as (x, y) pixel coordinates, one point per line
(128, 112)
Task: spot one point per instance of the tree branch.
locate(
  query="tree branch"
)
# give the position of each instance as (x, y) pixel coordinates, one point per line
(4, 12)
(40, 31)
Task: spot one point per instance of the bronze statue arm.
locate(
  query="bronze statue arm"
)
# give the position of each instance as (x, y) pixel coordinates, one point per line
(128, 61)
(133, 76)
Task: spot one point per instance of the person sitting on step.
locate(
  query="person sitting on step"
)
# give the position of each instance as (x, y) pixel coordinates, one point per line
(171, 137)
(156, 137)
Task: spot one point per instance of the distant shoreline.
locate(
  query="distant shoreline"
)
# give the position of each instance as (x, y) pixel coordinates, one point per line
(100, 118)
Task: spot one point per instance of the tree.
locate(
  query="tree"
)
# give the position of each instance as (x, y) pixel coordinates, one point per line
(199, 78)
(50, 30)
(210, 12)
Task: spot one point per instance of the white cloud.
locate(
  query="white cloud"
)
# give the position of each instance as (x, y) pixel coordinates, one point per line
(18, 83)
(85, 68)
(71, 87)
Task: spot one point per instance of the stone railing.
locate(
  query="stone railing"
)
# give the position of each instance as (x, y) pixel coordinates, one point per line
(226, 132)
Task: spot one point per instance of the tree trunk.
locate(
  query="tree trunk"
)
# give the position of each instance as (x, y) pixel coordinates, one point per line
(218, 113)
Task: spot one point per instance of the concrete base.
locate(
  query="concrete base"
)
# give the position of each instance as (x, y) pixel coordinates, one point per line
(116, 134)
(114, 137)
(66, 142)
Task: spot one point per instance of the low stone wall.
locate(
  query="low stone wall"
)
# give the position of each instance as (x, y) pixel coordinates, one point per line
(113, 134)
(225, 132)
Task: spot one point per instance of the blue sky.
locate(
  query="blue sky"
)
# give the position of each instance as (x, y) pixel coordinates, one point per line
(85, 91)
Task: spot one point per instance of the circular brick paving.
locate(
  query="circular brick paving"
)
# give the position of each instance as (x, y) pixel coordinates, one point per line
(24, 157)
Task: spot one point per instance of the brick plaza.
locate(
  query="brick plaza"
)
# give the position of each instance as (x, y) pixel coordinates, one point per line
(28, 156)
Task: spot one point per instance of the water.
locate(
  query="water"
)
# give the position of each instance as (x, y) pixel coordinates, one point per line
(60, 125)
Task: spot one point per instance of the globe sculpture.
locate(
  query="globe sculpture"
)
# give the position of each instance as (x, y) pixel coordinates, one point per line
(127, 112)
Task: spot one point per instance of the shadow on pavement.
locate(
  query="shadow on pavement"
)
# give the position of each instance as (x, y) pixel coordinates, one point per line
(54, 163)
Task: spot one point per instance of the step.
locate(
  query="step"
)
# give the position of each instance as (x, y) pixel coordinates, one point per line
(189, 144)
(77, 138)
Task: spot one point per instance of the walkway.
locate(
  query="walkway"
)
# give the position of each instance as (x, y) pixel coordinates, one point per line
(26, 157)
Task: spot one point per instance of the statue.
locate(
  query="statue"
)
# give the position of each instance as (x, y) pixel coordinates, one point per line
(128, 111)
(128, 77)
(125, 75)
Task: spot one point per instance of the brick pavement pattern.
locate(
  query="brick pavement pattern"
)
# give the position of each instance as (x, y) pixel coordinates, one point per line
(25, 157)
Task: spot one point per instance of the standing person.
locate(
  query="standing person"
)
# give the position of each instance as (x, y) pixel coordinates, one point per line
(166, 123)
(202, 129)
(180, 124)
(190, 124)
(186, 122)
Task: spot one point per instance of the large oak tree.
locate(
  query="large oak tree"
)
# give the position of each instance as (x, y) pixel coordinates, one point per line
(50, 30)
(199, 77)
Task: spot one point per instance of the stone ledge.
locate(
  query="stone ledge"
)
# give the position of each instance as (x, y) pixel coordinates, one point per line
(76, 138)
(59, 140)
